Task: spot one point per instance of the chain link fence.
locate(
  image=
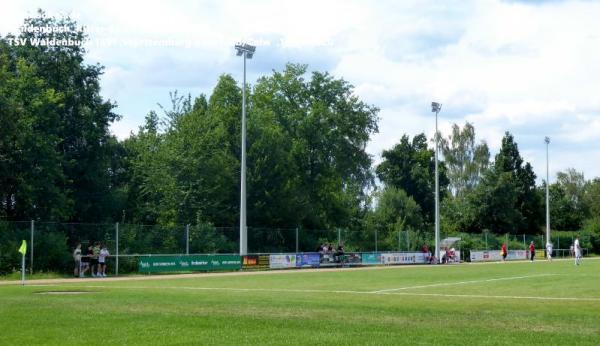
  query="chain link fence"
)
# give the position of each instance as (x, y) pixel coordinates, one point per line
(53, 243)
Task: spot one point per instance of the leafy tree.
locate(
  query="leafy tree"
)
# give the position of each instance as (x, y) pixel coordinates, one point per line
(395, 212)
(465, 161)
(591, 197)
(494, 203)
(321, 130)
(507, 198)
(410, 166)
(568, 209)
(81, 130)
(30, 160)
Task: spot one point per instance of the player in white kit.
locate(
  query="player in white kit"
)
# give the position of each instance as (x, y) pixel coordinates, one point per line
(577, 249)
(549, 251)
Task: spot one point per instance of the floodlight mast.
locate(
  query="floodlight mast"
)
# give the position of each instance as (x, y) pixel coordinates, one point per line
(547, 140)
(247, 51)
(436, 108)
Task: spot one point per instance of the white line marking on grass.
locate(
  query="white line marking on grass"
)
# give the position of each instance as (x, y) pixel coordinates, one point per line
(285, 290)
(444, 295)
(233, 289)
(460, 283)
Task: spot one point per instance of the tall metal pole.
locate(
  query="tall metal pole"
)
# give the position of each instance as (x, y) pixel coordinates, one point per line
(247, 51)
(117, 249)
(547, 140)
(31, 253)
(243, 228)
(187, 239)
(437, 191)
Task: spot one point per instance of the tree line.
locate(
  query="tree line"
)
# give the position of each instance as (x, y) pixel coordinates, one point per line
(307, 162)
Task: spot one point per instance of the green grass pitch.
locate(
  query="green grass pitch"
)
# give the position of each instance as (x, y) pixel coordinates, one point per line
(493, 304)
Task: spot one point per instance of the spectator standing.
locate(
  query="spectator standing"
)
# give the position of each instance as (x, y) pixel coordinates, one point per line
(577, 249)
(504, 252)
(102, 261)
(85, 261)
(77, 259)
(94, 259)
(531, 251)
(549, 251)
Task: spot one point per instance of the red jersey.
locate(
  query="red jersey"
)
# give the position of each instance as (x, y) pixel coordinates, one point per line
(532, 248)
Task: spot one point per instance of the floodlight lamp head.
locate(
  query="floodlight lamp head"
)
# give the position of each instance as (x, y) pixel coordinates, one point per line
(547, 140)
(436, 107)
(244, 48)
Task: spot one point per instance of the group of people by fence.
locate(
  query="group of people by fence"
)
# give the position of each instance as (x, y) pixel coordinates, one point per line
(93, 260)
(329, 254)
(575, 251)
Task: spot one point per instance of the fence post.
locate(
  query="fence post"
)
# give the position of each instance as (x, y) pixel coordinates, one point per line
(399, 247)
(407, 241)
(117, 249)
(524, 242)
(296, 239)
(31, 252)
(187, 239)
(543, 244)
(486, 243)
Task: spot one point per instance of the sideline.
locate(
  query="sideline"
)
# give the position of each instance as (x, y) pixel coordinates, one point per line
(371, 293)
(263, 272)
(462, 283)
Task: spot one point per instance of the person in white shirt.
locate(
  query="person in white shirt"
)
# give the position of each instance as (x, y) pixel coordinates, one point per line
(577, 249)
(549, 251)
(102, 261)
(77, 259)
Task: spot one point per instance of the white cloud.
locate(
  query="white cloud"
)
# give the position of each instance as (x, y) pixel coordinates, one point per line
(529, 69)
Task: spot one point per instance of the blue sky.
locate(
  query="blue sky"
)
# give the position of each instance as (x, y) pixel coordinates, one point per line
(528, 67)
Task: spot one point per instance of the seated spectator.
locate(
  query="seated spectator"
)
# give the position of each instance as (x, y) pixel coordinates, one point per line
(451, 255)
(428, 258)
(320, 248)
(324, 248)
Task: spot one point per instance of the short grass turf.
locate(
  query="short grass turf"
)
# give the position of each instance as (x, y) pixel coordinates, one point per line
(494, 304)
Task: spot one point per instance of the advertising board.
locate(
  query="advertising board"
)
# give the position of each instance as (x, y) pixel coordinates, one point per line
(494, 255)
(188, 263)
(282, 261)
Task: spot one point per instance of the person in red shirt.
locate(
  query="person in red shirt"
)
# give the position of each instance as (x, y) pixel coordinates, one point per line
(504, 252)
(532, 251)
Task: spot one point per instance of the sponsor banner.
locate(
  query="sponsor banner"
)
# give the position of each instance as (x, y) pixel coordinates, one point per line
(403, 258)
(327, 260)
(308, 260)
(282, 261)
(371, 258)
(188, 263)
(352, 258)
(255, 262)
(517, 254)
(494, 255)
